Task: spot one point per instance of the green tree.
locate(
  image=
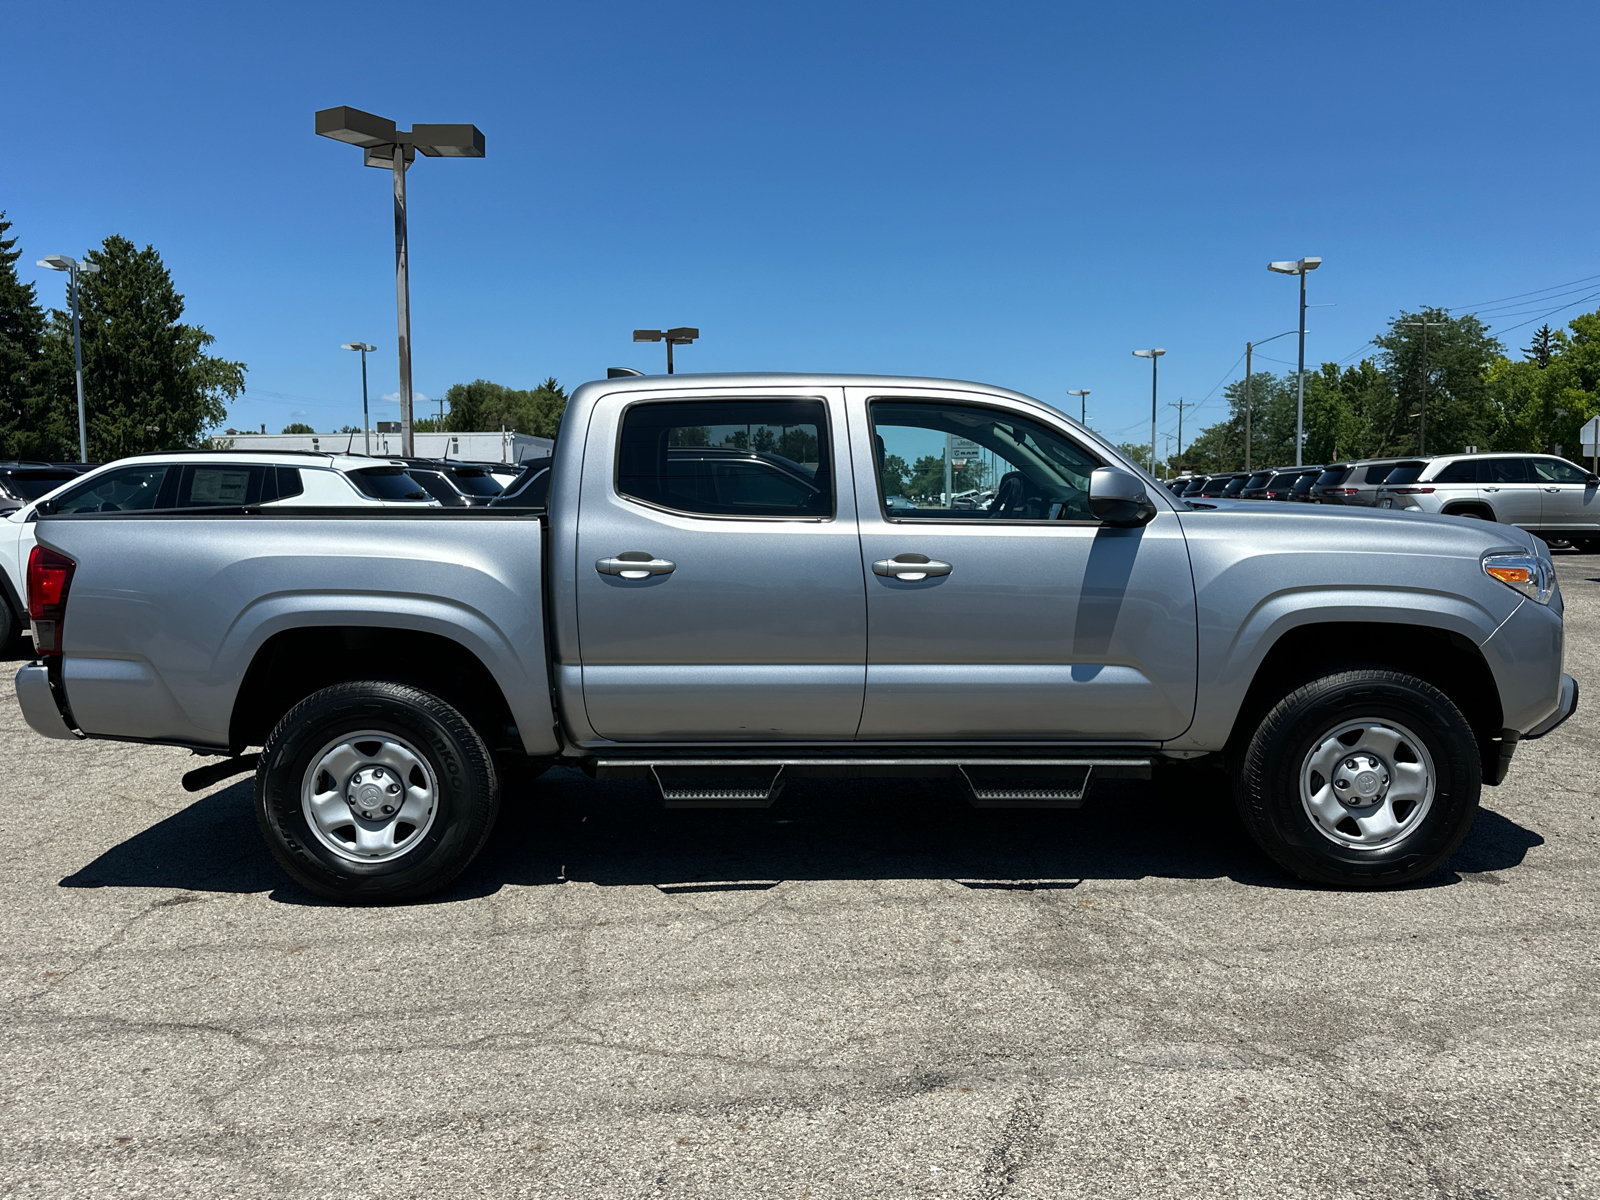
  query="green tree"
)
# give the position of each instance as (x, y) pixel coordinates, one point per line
(1139, 453)
(21, 341)
(896, 475)
(298, 427)
(1544, 347)
(482, 405)
(1453, 367)
(149, 383)
(1540, 408)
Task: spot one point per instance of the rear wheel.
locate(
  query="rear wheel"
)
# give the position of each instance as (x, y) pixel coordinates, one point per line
(1586, 545)
(10, 630)
(375, 793)
(1362, 779)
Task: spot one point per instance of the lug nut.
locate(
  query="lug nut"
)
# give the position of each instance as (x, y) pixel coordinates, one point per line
(1341, 783)
(387, 809)
(393, 788)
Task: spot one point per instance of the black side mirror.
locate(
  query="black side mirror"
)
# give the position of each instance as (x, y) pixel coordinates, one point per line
(1591, 478)
(1118, 498)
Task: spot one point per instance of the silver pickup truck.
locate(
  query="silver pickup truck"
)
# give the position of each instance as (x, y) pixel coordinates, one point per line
(738, 580)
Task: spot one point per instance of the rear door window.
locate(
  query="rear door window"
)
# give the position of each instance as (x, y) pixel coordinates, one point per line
(728, 458)
(222, 485)
(1508, 470)
(1464, 471)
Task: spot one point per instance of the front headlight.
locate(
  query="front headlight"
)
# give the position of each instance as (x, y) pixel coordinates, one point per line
(1528, 573)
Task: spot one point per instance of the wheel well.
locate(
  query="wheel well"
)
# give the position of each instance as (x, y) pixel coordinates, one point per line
(1469, 508)
(297, 662)
(1449, 661)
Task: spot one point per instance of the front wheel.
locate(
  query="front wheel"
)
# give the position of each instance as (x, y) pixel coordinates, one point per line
(1362, 779)
(375, 792)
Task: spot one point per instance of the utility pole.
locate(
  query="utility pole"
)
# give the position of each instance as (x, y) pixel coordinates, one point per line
(1422, 409)
(1180, 406)
(1248, 348)
(1153, 355)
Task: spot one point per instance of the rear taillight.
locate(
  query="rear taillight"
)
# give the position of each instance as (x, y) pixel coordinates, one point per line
(49, 579)
(1342, 491)
(1412, 491)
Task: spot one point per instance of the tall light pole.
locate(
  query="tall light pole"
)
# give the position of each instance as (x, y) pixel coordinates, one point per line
(1249, 349)
(366, 425)
(681, 336)
(1299, 267)
(1152, 355)
(74, 268)
(383, 145)
(1083, 409)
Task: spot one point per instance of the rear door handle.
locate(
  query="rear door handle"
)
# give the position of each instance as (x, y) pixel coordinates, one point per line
(635, 564)
(1554, 489)
(910, 567)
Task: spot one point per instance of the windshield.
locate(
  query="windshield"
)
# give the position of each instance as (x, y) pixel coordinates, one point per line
(30, 485)
(388, 483)
(475, 481)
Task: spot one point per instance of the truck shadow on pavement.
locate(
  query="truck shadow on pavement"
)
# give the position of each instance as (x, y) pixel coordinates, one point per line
(565, 828)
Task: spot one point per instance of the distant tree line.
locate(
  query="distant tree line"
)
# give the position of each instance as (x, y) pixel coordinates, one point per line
(481, 405)
(1476, 396)
(149, 383)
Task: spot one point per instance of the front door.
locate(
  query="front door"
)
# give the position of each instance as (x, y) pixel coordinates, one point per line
(1570, 502)
(1031, 621)
(719, 589)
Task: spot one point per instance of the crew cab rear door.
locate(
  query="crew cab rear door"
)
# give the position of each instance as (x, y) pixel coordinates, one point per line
(1019, 617)
(719, 586)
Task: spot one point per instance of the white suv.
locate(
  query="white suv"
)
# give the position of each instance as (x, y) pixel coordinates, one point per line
(200, 479)
(1541, 493)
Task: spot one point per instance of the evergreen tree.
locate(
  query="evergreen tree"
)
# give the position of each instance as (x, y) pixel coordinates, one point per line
(148, 382)
(1543, 348)
(21, 339)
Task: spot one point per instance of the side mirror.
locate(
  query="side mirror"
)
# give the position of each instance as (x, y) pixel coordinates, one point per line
(1591, 478)
(1118, 498)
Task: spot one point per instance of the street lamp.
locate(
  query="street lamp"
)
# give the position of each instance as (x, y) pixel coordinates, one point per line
(681, 336)
(1299, 267)
(74, 268)
(1152, 355)
(385, 146)
(366, 434)
(1083, 405)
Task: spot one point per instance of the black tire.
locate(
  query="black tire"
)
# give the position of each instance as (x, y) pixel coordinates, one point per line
(10, 631)
(467, 792)
(1585, 545)
(1267, 778)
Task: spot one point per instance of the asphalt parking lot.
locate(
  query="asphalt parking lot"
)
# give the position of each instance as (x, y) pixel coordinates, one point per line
(868, 990)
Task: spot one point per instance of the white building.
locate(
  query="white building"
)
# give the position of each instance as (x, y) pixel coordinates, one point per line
(504, 446)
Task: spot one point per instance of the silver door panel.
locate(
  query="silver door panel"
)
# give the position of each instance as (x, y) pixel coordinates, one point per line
(758, 632)
(736, 702)
(1040, 630)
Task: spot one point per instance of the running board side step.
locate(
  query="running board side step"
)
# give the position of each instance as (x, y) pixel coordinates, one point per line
(990, 782)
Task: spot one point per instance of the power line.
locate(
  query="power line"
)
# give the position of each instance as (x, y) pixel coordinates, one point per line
(1536, 292)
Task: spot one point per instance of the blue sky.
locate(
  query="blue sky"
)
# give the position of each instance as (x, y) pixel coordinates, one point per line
(1015, 193)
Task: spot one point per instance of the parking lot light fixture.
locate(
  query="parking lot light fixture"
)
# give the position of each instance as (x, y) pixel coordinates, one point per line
(1299, 267)
(1152, 355)
(74, 268)
(385, 146)
(1083, 403)
(366, 425)
(683, 335)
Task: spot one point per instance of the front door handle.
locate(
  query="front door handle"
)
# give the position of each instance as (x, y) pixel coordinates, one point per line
(635, 564)
(910, 567)
(1488, 489)
(1554, 489)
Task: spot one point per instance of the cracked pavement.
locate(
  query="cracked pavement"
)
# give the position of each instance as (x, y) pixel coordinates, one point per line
(868, 990)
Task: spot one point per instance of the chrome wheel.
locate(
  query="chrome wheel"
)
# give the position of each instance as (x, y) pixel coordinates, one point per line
(1366, 785)
(369, 796)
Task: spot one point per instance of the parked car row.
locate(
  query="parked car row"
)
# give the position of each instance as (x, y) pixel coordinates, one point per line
(1544, 494)
(213, 479)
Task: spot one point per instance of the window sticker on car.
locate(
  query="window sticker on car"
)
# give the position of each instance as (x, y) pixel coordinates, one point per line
(213, 485)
